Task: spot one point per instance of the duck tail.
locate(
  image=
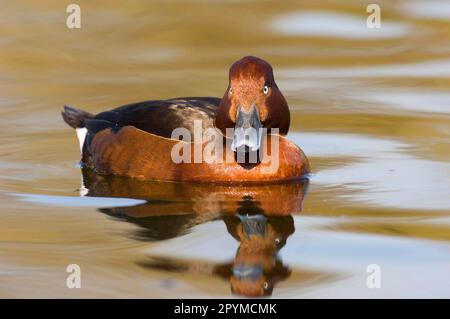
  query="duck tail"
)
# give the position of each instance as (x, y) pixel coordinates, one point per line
(74, 117)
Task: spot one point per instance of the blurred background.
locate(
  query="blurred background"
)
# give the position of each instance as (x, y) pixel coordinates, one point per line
(370, 108)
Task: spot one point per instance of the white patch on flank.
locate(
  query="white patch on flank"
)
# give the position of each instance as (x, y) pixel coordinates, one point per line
(83, 190)
(81, 134)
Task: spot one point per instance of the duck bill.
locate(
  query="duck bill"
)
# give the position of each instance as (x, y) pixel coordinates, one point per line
(248, 272)
(253, 225)
(247, 131)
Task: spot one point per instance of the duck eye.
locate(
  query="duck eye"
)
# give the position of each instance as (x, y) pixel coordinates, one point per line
(266, 89)
(230, 90)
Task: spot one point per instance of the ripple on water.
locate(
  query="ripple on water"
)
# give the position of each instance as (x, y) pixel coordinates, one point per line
(432, 68)
(419, 101)
(78, 201)
(384, 173)
(327, 24)
(439, 10)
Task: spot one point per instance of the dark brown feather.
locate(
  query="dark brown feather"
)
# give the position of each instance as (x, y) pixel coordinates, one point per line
(75, 117)
(159, 117)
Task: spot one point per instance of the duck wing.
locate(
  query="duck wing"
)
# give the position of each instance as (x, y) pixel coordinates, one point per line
(159, 117)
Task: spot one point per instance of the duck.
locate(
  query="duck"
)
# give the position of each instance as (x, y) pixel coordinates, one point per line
(238, 139)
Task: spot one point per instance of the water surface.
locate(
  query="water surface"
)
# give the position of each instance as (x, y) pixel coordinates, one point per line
(370, 109)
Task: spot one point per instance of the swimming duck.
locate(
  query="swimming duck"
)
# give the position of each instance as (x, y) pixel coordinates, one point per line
(147, 140)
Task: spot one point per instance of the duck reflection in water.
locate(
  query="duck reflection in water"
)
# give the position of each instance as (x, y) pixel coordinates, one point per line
(256, 267)
(259, 217)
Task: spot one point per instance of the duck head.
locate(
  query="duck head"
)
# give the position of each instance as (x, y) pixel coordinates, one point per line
(251, 102)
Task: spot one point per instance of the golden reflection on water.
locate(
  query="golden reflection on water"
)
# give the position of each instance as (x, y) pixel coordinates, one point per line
(259, 223)
(371, 112)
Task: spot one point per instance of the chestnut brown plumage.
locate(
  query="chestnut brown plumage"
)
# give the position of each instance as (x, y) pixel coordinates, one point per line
(247, 78)
(134, 140)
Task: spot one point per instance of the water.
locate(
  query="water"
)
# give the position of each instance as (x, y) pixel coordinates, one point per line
(371, 111)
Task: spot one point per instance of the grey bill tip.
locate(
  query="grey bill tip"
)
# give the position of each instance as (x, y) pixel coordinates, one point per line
(247, 131)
